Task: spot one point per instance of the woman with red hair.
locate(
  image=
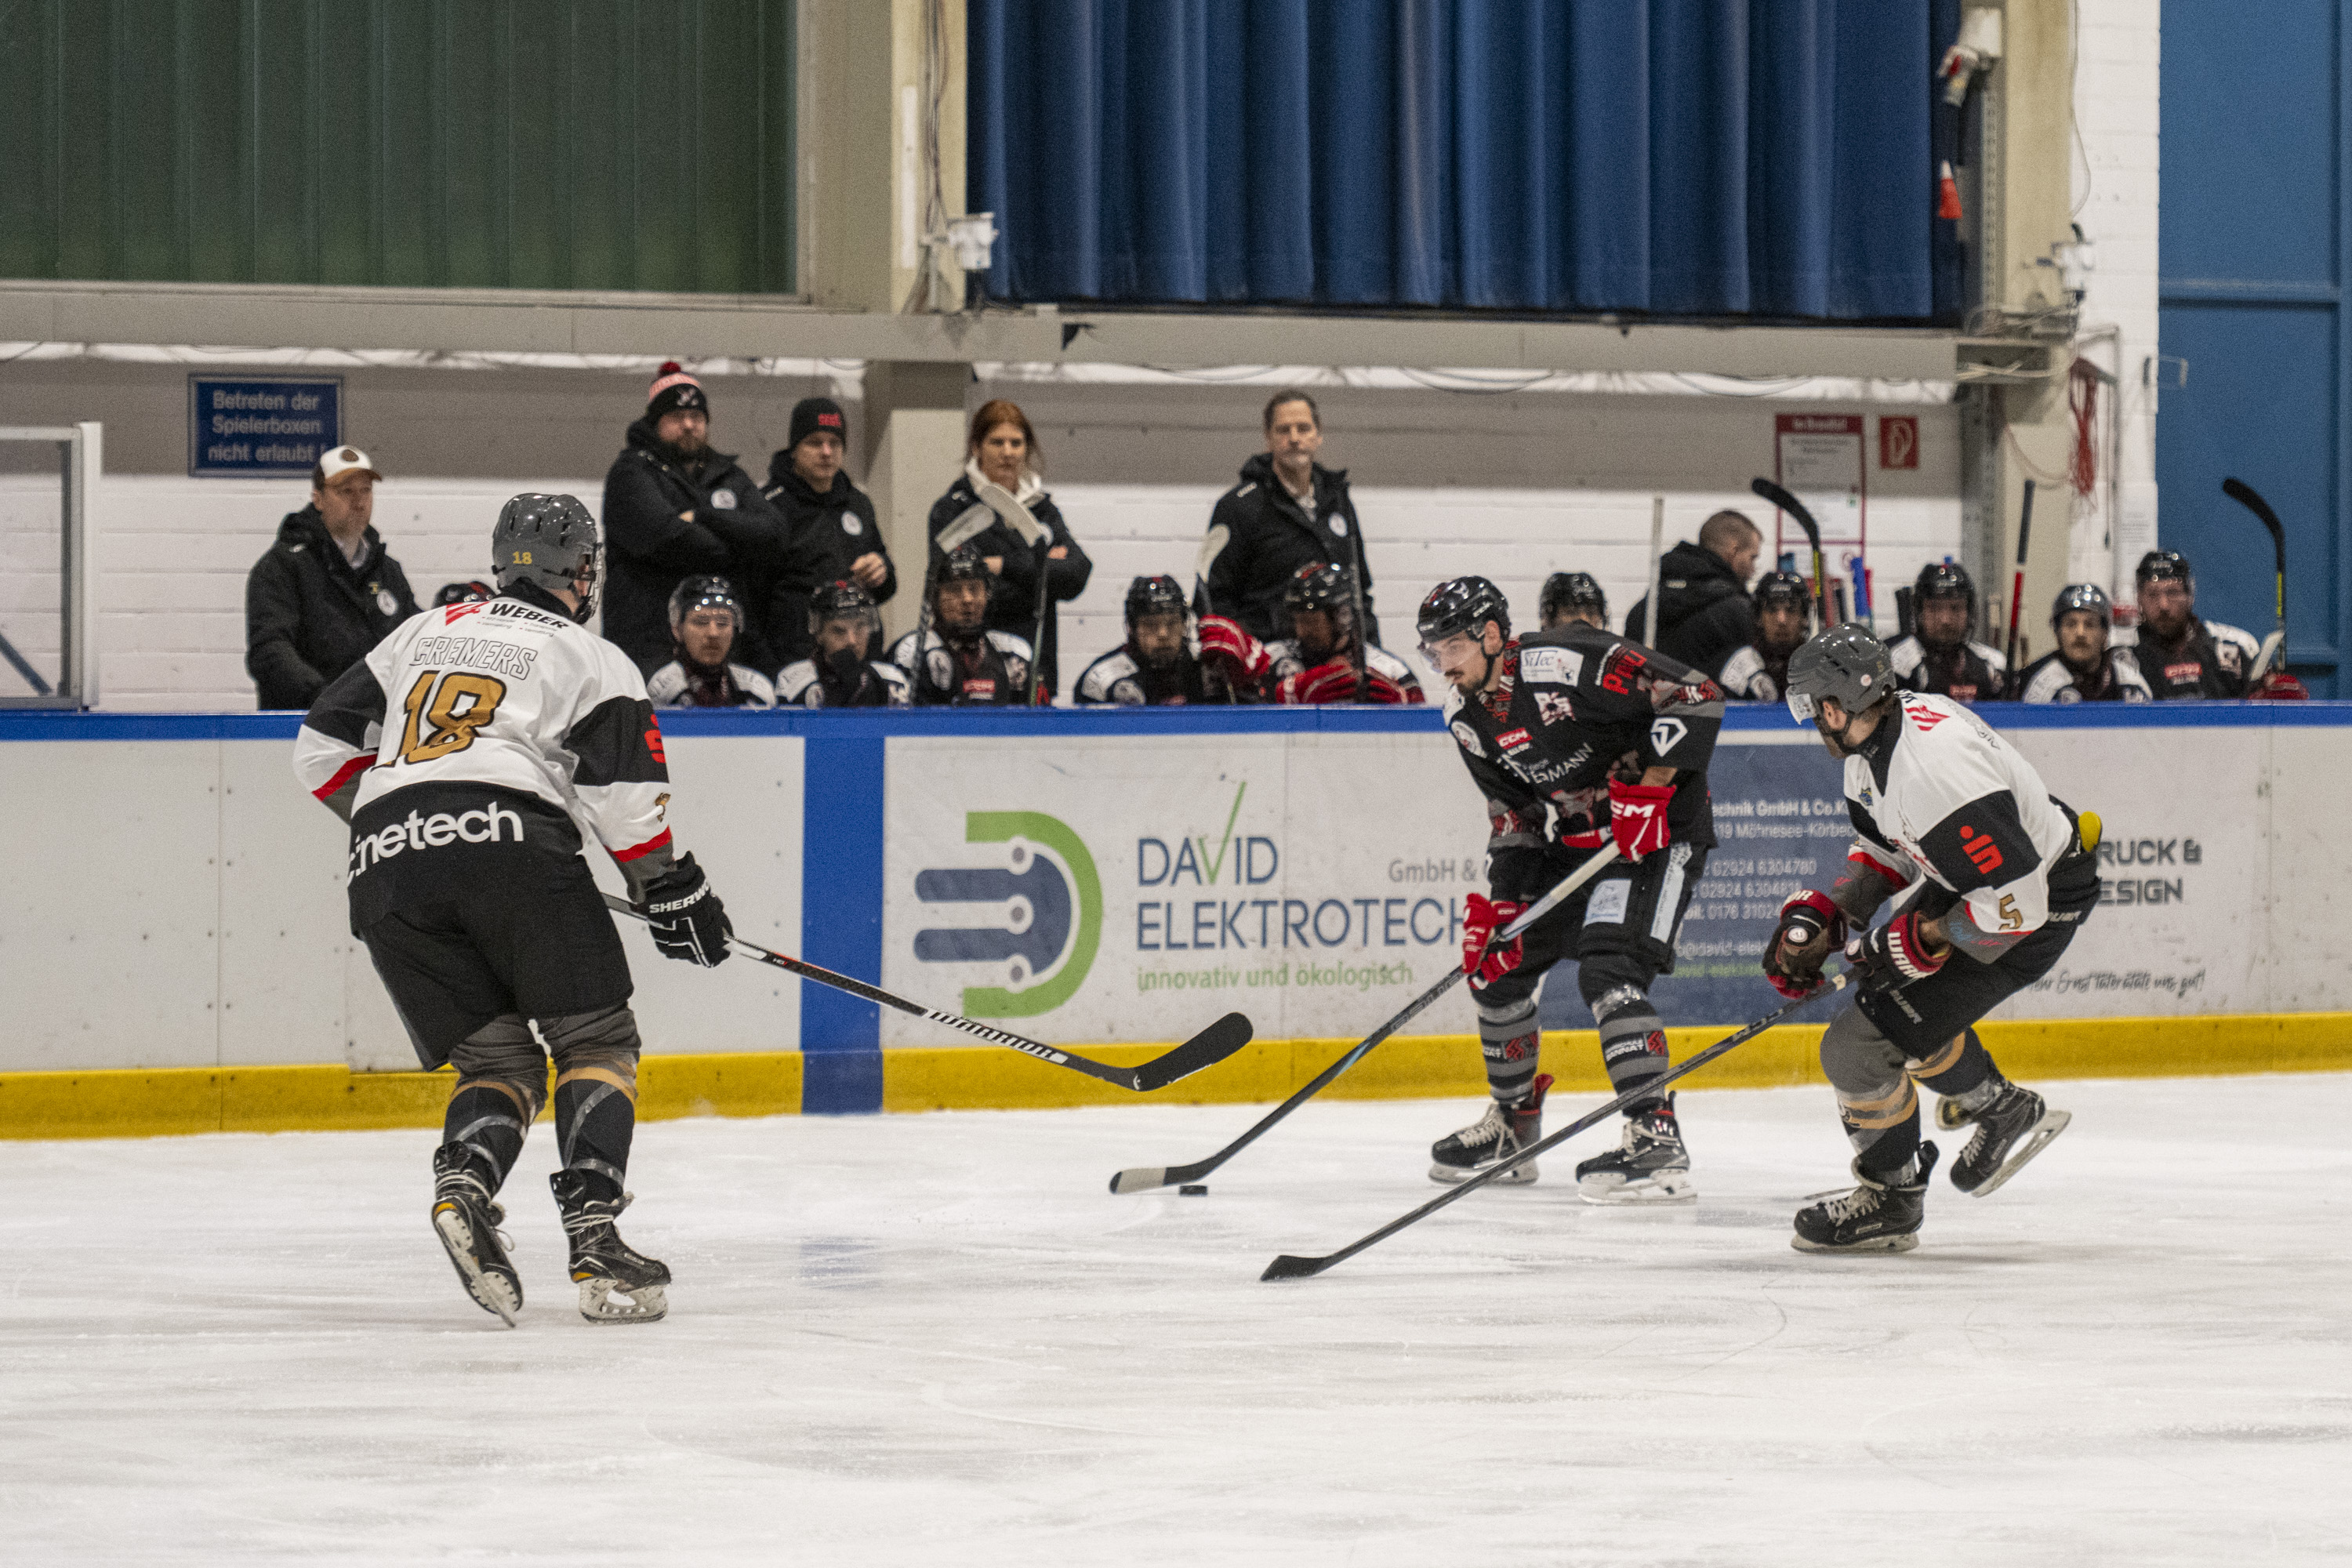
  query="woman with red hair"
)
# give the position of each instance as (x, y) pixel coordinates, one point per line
(1000, 506)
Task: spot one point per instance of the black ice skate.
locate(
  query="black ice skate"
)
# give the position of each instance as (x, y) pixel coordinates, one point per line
(467, 1223)
(603, 1265)
(1649, 1164)
(1876, 1216)
(1502, 1132)
(2014, 1127)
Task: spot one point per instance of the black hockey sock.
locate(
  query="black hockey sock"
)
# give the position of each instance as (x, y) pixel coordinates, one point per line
(1633, 1045)
(596, 1094)
(1883, 1152)
(489, 1117)
(1960, 1070)
(1509, 1038)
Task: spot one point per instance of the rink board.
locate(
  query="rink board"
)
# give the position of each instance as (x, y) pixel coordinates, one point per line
(1099, 881)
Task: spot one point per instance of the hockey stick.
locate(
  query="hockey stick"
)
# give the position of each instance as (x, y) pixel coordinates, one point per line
(1651, 621)
(1290, 1267)
(2017, 585)
(2275, 644)
(1143, 1178)
(952, 538)
(1024, 524)
(1205, 1049)
(1363, 633)
(1796, 509)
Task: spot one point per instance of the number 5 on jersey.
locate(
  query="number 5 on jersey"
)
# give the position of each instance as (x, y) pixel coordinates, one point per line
(462, 704)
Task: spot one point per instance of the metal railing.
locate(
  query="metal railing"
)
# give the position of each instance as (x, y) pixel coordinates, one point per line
(81, 454)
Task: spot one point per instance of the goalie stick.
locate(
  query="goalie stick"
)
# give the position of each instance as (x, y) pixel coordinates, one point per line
(2273, 646)
(1796, 509)
(1205, 1049)
(1143, 1178)
(1290, 1267)
(1040, 539)
(952, 538)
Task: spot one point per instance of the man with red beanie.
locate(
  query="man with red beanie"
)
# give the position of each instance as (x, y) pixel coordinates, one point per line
(674, 508)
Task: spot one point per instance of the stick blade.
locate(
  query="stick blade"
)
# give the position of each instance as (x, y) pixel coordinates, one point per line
(1140, 1179)
(1205, 1049)
(1288, 1268)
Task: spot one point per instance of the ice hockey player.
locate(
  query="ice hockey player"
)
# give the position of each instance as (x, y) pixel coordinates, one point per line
(843, 624)
(705, 615)
(501, 725)
(1158, 665)
(1572, 596)
(967, 665)
(2082, 668)
(1758, 673)
(2180, 656)
(1317, 662)
(1943, 655)
(1574, 736)
(2004, 873)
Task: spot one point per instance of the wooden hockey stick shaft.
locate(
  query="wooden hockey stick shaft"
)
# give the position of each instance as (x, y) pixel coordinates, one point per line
(2017, 583)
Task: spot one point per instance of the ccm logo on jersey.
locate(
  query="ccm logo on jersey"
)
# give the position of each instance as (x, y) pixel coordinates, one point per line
(1512, 741)
(484, 825)
(1982, 851)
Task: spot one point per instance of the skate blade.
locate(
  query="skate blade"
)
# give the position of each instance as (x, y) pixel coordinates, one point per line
(1455, 1175)
(1613, 1190)
(2033, 1142)
(646, 1304)
(491, 1292)
(1903, 1243)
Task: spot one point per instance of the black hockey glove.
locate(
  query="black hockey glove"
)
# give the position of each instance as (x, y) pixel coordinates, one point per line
(687, 920)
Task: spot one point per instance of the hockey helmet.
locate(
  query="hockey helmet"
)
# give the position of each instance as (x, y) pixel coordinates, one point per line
(1847, 663)
(1161, 596)
(964, 564)
(1461, 606)
(2082, 597)
(1783, 588)
(551, 540)
(1320, 587)
(1565, 590)
(842, 601)
(2163, 565)
(703, 590)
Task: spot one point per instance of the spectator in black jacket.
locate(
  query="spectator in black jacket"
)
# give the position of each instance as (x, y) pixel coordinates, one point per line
(1003, 454)
(1289, 511)
(1707, 615)
(327, 590)
(673, 508)
(830, 531)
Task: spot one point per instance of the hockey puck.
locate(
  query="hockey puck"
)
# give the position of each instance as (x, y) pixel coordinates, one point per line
(1194, 1189)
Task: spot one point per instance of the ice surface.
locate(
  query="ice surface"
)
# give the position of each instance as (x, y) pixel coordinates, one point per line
(937, 1338)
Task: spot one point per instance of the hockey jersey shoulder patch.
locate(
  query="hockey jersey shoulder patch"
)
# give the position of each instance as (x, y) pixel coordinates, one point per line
(1550, 666)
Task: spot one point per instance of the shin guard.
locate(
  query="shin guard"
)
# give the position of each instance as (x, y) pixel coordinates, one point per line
(1633, 1043)
(1511, 1043)
(502, 1084)
(596, 1094)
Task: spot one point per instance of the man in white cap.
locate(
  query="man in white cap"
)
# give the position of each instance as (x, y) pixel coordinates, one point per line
(327, 590)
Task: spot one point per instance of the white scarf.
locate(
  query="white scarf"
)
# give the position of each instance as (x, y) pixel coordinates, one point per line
(1026, 492)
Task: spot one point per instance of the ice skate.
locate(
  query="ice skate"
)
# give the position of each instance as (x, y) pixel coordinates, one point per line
(1502, 1132)
(603, 1265)
(1876, 1216)
(467, 1223)
(2018, 1125)
(1649, 1164)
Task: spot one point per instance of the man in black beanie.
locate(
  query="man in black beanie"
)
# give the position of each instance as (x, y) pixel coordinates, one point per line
(673, 508)
(830, 531)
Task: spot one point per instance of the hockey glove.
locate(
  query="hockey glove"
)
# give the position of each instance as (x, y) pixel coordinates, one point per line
(1895, 954)
(1637, 815)
(687, 920)
(1241, 657)
(1335, 682)
(1482, 916)
(1811, 927)
(2279, 686)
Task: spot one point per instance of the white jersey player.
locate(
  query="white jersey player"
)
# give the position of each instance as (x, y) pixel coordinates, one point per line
(465, 751)
(1998, 877)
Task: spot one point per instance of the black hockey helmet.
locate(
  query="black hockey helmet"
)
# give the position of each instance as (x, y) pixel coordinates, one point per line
(1848, 663)
(1781, 588)
(2082, 597)
(963, 564)
(467, 593)
(548, 539)
(1459, 606)
(702, 590)
(842, 601)
(1564, 590)
(1161, 596)
(1945, 580)
(2163, 565)
(1319, 586)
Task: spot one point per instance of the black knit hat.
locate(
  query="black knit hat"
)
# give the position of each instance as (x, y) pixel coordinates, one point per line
(811, 415)
(673, 387)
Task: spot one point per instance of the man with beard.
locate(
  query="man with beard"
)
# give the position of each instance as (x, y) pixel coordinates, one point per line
(1760, 671)
(674, 508)
(1943, 657)
(2082, 668)
(1156, 668)
(705, 617)
(843, 624)
(831, 534)
(1318, 662)
(1573, 596)
(2181, 657)
(962, 663)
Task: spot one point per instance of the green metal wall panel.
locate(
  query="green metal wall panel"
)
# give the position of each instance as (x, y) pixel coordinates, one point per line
(590, 144)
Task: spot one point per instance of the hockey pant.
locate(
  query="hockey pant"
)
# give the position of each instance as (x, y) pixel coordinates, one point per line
(1620, 931)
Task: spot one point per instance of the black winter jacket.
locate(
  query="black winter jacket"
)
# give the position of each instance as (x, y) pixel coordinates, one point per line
(650, 546)
(1708, 615)
(1012, 599)
(1259, 537)
(310, 615)
(822, 534)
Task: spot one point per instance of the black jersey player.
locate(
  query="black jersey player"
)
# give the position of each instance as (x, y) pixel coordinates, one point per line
(1169, 661)
(2000, 875)
(1575, 736)
(463, 749)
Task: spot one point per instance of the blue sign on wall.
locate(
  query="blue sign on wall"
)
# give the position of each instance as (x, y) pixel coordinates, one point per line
(275, 426)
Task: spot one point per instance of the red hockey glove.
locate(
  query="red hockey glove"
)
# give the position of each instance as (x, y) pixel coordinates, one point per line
(1811, 927)
(2279, 686)
(1895, 954)
(1332, 682)
(1482, 916)
(1637, 815)
(1228, 645)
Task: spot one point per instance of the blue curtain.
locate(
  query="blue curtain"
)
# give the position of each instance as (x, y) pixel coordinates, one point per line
(1685, 157)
